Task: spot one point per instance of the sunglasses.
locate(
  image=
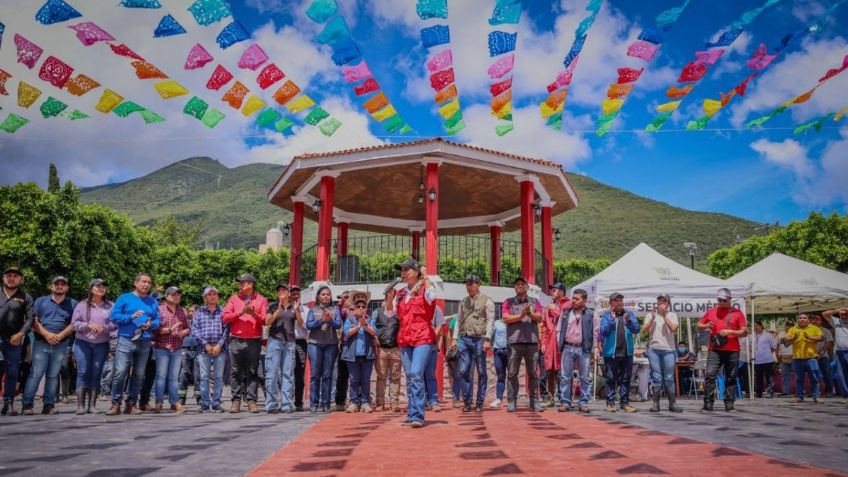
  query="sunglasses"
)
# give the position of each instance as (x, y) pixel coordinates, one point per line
(721, 300)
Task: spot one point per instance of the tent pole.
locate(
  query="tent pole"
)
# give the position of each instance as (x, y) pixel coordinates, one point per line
(751, 351)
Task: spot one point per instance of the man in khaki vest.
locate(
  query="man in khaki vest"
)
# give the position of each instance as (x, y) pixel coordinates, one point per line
(472, 333)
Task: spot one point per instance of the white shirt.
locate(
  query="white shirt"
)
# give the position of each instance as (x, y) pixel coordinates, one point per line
(300, 331)
(660, 337)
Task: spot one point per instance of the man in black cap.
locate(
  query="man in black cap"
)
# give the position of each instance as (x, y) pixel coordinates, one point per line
(522, 315)
(52, 328)
(472, 333)
(16, 318)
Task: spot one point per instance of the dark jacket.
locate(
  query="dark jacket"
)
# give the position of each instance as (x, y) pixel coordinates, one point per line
(586, 321)
(386, 326)
(16, 314)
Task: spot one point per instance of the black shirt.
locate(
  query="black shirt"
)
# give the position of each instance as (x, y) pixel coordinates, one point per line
(620, 337)
(16, 314)
(386, 328)
(283, 327)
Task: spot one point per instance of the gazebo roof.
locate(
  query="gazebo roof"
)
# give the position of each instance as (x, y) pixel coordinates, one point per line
(377, 188)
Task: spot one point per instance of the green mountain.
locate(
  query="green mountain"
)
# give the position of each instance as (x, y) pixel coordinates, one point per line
(234, 212)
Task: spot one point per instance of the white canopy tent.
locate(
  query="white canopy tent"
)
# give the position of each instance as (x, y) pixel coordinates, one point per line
(783, 284)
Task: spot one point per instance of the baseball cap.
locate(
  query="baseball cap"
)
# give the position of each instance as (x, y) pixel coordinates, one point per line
(664, 295)
(408, 263)
(294, 288)
(724, 294)
(247, 277)
(519, 280)
(615, 295)
(472, 279)
(558, 286)
(171, 290)
(209, 290)
(13, 270)
(59, 278)
(96, 282)
(282, 285)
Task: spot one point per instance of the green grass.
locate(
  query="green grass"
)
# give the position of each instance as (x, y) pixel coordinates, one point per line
(235, 213)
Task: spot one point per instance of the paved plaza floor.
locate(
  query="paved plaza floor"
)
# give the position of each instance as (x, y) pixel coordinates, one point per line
(765, 437)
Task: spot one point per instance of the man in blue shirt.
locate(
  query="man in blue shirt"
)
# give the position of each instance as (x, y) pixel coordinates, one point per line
(52, 328)
(137, 315)
(618, 326)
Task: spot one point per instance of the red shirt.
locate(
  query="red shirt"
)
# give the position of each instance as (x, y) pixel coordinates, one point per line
(243, 325)
(718, 317)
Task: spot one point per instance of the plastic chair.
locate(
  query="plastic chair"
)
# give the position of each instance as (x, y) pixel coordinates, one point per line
(697, 381)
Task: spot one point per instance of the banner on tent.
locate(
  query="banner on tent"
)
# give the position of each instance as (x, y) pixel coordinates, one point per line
(683, 307)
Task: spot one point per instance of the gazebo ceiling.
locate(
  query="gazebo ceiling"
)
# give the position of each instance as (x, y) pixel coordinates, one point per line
(377, 188)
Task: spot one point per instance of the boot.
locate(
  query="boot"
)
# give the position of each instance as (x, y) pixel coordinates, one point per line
(81, 393)
(93, 394)
(656, 406)
(114, 410)
(672, 403)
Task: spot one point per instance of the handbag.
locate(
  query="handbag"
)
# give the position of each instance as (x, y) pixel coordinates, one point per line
(717, 340)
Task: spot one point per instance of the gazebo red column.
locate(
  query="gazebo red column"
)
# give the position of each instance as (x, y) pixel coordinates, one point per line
(416, 244)
(296, 243)
(495, 254)
(341, 239)
(325, 228)
(547, 244)
(431, 233)
(528, 256)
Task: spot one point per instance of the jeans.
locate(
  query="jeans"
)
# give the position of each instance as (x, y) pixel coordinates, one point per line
(279, 363)
(11, 365)
(388, 366)
(824, 374)
(322, 359)
(90, 358)
(206, 364)
(501, 356)
(189, 373)
(167, 374)
(128, 353)
(46, 359)
(763, 372)
(108, 375)
(360, 379)
(662, 364)
(570, 355)
(716, 360)
(299, 371)
(842, 372)
(431, 387)
(415, 360)
(811, 366)
(617, 372)
(529, 353)
(472, 356)
(244, 354)
(785, 372)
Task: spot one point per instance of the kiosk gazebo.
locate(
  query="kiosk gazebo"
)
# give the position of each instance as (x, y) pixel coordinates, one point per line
(428, 186)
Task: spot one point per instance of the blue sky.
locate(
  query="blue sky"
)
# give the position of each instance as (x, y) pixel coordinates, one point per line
(764, 175)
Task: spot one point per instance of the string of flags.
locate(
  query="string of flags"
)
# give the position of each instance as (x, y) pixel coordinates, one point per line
(502, 47)
(695, 70)
(552, 107)
(818, 123)
(760, 59)
(803, 97)
(355, 70)
(645, 48)
(436, 39)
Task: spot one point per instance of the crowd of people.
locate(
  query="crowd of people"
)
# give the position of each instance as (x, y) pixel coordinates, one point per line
(143, 344)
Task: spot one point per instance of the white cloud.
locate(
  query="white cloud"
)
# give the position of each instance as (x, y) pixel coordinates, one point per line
(816, 184)
(793, 75)
(267, 6)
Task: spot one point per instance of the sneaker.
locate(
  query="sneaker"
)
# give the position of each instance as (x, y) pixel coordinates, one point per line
(818, 400)
(610, 407)
(352, 408)
(9, 409)
(628, 408)
(26, 410)
(428, 407)
(536, 407)
(218, 409)
(796, 400)
(457, 404)
(511, 407)
(436, 408)
(707, 408)
(496, 404)
(467, 408)
(417, 424)
(478, 408)
(298, 408)
(235, 408)
(367, 408)
(584, 409)
(273, 411)
(288, 410)
(251, 407)
(563, 408)
(406, 422)
(340, 407)
(49, 409)
(203, 409)
(728, 406)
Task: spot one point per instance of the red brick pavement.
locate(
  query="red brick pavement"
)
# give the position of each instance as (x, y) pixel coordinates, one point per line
(499, 443)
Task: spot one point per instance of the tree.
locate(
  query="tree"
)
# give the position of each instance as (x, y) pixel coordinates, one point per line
(170, 232)
(819, 239)
(53, 179)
